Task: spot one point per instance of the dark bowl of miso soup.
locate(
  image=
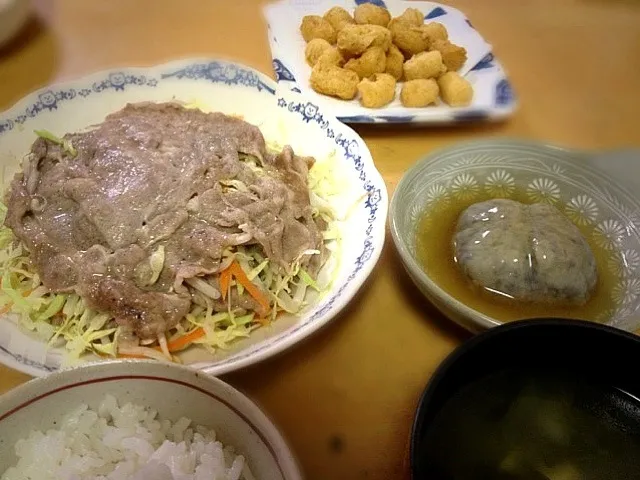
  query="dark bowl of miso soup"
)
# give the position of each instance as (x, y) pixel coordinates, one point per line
(542, 399)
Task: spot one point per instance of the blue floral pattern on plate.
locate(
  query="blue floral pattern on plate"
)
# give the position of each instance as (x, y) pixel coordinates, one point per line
(221, 72)
(379, 3)
(435, 13)
(216, 72)
(504, 92)
(311, 113)
(22, 360)
(118, 81)
(486, 62)
(49, 100)
(282, 72)
(358, 119)
(6, 125)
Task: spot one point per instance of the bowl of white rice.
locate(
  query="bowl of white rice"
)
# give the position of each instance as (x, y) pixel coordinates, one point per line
(137, 420)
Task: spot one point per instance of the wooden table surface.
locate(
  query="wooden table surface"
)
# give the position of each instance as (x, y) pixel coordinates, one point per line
(345, 398)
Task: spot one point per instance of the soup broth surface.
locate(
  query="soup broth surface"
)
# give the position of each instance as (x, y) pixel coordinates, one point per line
(532, 426)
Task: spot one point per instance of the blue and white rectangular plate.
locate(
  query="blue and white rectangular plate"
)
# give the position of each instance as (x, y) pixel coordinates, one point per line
(493, 96)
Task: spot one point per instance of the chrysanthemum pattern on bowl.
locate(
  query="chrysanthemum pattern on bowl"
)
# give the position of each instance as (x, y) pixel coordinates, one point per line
(632, 262)
(596, 203)
(627, 291)
(609, 233)
(543, 190)
(615, 263)
(464, 186)
(500, 183)
(435, 193)
(582, 210)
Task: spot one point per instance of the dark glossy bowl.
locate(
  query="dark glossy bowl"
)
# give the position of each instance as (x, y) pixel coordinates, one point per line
(600, 354)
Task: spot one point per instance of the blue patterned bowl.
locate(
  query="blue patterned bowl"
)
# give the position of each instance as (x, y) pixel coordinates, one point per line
(283, 117)
(593, 190)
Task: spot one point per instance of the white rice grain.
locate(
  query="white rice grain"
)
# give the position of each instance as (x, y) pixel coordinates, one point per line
(125, 442)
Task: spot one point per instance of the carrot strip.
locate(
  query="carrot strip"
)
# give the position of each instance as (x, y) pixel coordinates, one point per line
(236, 271)
(225, 281)
(186, 340)
(254, 291)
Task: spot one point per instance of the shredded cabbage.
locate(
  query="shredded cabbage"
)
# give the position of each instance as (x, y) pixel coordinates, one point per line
(306, 278)
(65, 144)
(64, 320)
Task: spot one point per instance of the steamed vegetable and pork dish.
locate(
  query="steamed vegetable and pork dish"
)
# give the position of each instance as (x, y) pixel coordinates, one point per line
(160, 227)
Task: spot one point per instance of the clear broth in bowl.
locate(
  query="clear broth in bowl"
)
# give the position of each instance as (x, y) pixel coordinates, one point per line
(435, 253)
(534, 425)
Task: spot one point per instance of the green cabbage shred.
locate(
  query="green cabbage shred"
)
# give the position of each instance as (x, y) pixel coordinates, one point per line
(65, 144)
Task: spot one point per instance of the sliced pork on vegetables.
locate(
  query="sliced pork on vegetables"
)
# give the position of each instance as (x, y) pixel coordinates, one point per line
(160, 227)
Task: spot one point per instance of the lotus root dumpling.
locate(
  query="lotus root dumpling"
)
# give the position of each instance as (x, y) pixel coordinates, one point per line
(528, 252)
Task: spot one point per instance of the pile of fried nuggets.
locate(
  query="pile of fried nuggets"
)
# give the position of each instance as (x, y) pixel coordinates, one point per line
(369, 52)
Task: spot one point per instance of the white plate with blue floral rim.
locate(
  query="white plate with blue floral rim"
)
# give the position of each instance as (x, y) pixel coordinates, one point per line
(215, 85)
(494, 98)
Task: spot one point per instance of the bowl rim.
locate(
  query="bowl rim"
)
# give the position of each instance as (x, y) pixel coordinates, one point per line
(251, 414)
(443, 369)
(471, 319)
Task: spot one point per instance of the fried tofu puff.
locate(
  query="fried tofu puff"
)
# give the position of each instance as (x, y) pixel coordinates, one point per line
(370, 14)
(434, 31)
(338, 17)
(314, 26)
(424, 65)
(377, 91)
(373, 60)
(409, 39)
(334, 81)
(453, 55)
(395, 62)
(419, 93)
(331, 56)
(456, 91)
(411, 16)
(314, 49)
(355, 39)
(319, 50)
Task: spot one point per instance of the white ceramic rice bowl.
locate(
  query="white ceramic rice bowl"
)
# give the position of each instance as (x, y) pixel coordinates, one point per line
(174, 391)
